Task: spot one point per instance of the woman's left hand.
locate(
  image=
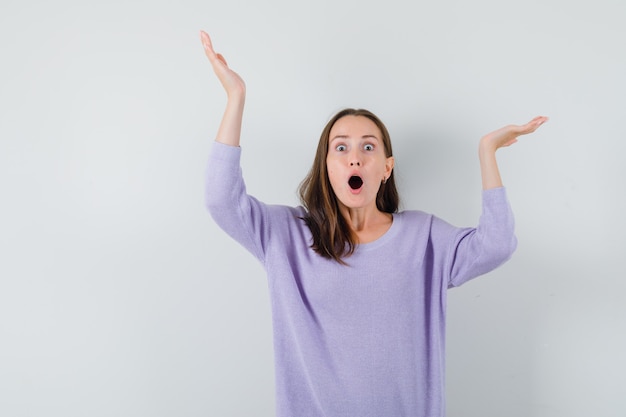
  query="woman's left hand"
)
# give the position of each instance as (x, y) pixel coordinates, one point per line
(507, 135)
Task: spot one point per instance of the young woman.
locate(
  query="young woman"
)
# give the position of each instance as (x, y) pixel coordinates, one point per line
(357, 289)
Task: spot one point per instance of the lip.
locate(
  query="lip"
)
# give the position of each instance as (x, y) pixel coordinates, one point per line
(355, 190)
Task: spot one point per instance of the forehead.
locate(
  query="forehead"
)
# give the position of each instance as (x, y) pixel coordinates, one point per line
(357, 126)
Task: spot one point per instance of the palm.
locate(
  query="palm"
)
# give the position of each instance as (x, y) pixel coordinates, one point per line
(508, 135)
(231, 81)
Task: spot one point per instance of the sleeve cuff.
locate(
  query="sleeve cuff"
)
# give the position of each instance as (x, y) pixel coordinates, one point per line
(494, 194)
(227, 153)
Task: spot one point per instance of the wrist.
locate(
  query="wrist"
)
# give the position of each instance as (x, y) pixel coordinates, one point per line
(236, 94)
(486, 148)
(236, 100)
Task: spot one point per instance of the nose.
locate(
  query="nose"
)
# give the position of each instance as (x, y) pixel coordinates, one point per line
(355, 160)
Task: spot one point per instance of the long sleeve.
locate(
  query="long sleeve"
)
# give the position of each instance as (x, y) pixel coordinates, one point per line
(242, 216)
(365, 339)
(479, 250)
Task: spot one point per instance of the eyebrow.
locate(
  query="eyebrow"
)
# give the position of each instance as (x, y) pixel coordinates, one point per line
(347, 136)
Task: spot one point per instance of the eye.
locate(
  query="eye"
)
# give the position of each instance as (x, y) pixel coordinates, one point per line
(340, 148)
(369, 147)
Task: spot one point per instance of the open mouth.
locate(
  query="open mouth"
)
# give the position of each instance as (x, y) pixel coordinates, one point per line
(355, 182)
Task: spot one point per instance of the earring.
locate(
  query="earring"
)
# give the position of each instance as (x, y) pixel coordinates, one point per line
(384, 180)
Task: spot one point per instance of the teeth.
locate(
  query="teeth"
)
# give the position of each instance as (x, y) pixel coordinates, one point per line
(355, 182)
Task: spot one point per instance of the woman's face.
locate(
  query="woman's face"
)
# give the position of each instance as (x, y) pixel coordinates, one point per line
(356, 161)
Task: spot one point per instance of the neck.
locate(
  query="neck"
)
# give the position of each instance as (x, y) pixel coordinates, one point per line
(368, 224)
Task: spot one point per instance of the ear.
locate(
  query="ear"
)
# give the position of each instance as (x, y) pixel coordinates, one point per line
(389, 163)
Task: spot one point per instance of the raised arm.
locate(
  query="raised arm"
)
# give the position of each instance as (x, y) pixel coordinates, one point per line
(229, 131)
(497, 139)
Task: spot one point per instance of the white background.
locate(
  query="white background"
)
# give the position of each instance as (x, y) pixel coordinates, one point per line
(119, 296)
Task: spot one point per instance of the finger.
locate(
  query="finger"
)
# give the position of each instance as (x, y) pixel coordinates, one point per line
(207, 44)
(222, 59)
(532, 125)
(538, 121)
(210, 52)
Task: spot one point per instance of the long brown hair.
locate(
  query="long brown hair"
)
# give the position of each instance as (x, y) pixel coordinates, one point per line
(332, 236)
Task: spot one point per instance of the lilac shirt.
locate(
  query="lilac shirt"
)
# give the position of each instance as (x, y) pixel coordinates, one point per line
(368, 339)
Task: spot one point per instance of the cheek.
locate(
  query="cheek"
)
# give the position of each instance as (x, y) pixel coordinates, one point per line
(331, 175)
(330, 168)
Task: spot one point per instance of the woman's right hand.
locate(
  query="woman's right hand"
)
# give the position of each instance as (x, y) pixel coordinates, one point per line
(231, 81)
